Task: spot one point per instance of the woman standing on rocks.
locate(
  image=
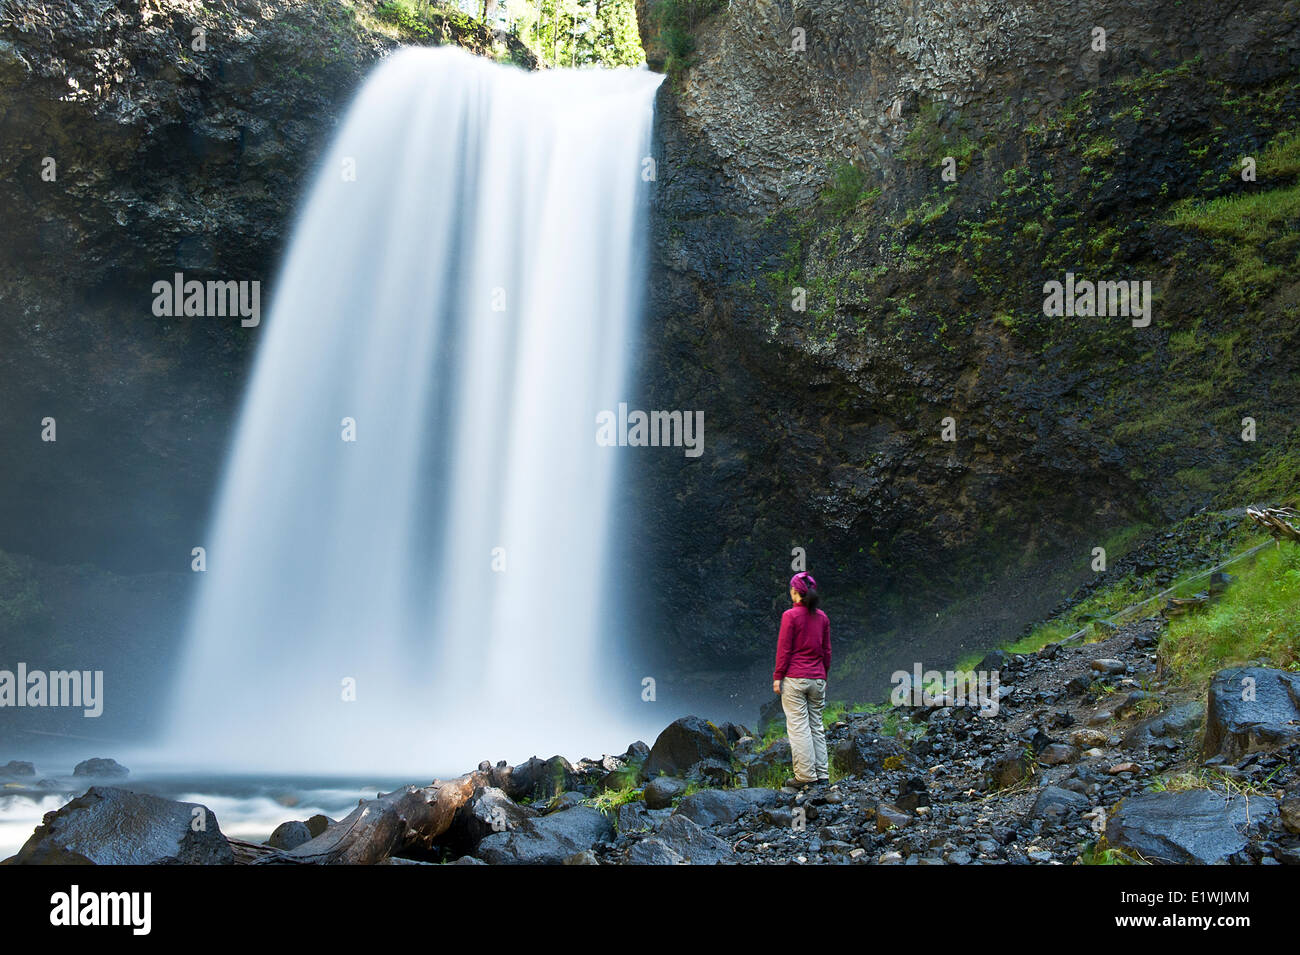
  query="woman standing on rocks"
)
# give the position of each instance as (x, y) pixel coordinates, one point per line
(803, 658)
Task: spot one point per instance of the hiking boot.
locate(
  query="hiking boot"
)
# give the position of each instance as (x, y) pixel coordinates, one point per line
(793, 783)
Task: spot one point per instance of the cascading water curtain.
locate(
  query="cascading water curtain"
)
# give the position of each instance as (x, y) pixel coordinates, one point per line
(403, 570)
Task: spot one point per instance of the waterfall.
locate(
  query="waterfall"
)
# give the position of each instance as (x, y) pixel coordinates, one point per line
(458, 298)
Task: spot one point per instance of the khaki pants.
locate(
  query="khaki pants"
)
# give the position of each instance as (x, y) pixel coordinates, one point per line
(803, 701)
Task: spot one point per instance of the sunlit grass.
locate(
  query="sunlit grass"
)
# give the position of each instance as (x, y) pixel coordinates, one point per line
(1255, 619)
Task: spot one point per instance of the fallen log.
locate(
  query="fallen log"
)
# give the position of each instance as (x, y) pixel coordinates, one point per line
(246, 853)
(406, 820)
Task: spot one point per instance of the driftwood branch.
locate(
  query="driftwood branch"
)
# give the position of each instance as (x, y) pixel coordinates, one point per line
(1281, 522)
(408, 819)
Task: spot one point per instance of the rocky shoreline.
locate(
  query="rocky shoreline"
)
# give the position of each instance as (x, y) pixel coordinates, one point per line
(1091, 757)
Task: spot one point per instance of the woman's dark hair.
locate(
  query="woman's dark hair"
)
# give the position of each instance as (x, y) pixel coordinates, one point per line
(810, 599)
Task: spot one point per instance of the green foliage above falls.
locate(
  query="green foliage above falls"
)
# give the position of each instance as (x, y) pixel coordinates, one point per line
(558, 33)
(676, 22)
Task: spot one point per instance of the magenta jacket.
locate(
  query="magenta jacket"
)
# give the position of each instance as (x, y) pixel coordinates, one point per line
(803, 648)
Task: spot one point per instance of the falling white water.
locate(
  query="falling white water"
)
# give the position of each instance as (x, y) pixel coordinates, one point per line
(462, 285)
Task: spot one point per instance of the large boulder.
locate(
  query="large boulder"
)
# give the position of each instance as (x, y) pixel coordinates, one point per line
(711, 807)
(540, 778)
(1198, 826)
(104, 768)
(679, 840)
(684, 743)
(548, 840)
(16, 769)
(1250, 709)
(110, 826)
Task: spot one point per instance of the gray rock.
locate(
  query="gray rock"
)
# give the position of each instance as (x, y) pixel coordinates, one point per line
(1013, 767)
(865, 752)
(289, 835)
(734, 732)
(1131, 703)
(1199, 826)
(634, 817)
(637, 753)
(662, 790)
(566, 800)
(712, 807)
(682, 744)
(711, 772)
(106, 768)
(547, 840)
(540, 778)
(891, 817)
(1054, 754)
(1179, 721)
(1057, 804)
(1290, 810)
(1236, 726)
(16, 769)
(653, 852)
(318, 824)
(1108, 665)
(680, 839)
(110, 826)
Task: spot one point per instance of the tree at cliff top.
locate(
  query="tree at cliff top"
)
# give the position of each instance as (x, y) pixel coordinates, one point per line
(578, 32)
(562, 33)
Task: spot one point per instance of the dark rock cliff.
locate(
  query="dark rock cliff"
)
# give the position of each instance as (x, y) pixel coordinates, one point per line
(803, 148)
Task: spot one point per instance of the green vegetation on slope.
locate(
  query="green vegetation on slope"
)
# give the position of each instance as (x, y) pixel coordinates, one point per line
(1254, 620)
